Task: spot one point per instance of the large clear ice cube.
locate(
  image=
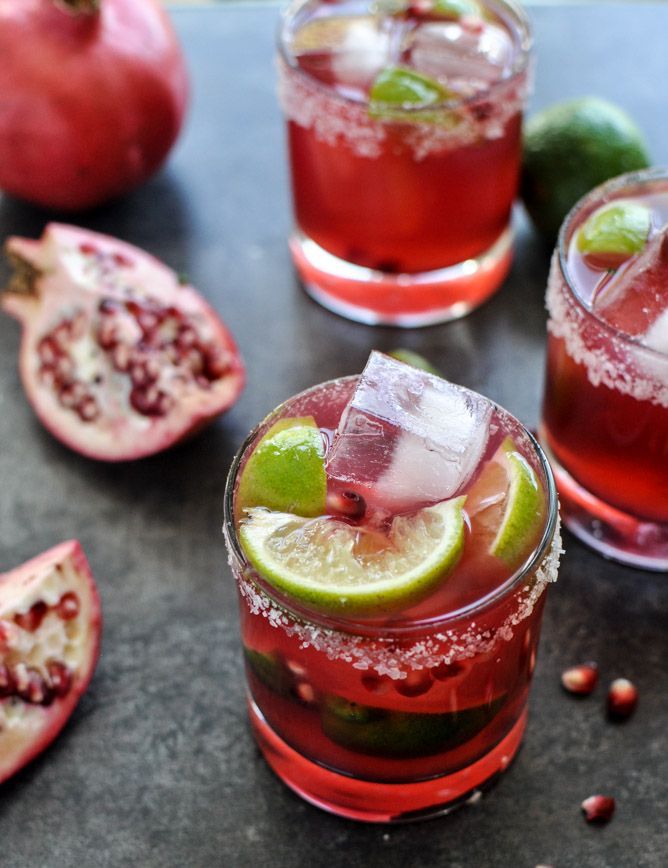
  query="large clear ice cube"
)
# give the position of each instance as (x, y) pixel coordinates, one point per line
(635, 298)
(466, 56)
(407, 438)
(350, 48)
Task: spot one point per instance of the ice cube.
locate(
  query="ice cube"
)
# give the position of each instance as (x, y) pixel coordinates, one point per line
(363, 53)
(348, 49)
(467, 56)
(656, 336)
(636, 296)
(407, 438)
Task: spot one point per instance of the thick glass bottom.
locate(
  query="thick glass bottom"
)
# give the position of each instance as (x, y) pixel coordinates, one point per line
(614, 534)
(376, 802)
(405, 300)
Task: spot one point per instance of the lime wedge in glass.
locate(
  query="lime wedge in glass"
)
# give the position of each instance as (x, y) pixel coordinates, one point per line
(614, 233)
(415, 360)
(505, 505)
(286, 471)
(397, 89)
(337, 568)
(456, 9)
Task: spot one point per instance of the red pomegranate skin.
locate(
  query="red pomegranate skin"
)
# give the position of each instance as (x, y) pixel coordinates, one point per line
(91, 103)
(56, 672)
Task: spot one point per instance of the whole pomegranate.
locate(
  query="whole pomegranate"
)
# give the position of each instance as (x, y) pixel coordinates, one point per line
(118, 358)
(49, 641)
(93, 94)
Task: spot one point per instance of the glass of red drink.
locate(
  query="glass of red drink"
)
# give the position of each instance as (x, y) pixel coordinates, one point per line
(404, 134)
(402, 707)
(605, 412)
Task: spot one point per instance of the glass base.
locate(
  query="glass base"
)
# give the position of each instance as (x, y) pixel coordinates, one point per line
(405, 300)
(614, 534)
(376, 802)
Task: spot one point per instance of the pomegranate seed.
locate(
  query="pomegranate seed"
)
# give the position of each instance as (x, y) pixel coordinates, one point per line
(88, 409)
(420, 7)
(150, 401)
(444, 671)
(60, 677)
(68, 606)
(7, 685)
(598, 809)
(72, 393)
(472, 24)
(31, 687)
(297, 669)
(148, 321)
(48, 350)
(47, 376)
(122, 261)
(415, 684)
(348, 503)
(141, 373)
(305, 692)
(217, 363)
(107, 334)
(193, 360)
(622, 699)
(376, 683)
(187, 337)
(580, 680)
(121, 357)
(31, 619)
(63, 368)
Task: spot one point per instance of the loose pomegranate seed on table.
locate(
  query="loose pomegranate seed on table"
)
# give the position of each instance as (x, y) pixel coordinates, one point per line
(598, 808)
(622, 699)
(580, 680)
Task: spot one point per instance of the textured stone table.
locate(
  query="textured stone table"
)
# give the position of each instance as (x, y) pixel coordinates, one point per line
(157, 767)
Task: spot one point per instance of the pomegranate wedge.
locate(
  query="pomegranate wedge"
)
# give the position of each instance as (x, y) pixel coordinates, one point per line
(49, 640)
(118, 358)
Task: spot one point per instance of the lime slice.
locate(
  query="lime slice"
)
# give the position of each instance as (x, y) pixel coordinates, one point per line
(338, 568)
(271, 671)
(397, 88)
(415, 360)
(615, 232)
(286, 471)
(402, 734)
(456, 9)
(505, 505)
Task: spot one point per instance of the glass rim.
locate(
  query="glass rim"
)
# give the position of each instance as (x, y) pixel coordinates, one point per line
(611, 186)
(350, 626)
(520, 66)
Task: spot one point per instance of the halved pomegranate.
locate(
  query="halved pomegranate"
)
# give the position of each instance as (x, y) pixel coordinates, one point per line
(49, 641)
(119, 359)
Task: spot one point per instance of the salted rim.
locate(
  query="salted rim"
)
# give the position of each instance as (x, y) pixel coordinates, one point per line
(303, 613)
(595, 197)
(525, 46)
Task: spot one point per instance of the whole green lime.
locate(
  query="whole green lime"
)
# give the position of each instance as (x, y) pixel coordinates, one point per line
(571, 147)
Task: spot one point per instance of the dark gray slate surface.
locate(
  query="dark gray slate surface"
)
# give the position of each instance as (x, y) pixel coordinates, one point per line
(157, 767)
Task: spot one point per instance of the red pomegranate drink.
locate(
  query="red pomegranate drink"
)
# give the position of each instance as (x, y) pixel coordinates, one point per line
(392, 536)
(403, 125)
(605, 414)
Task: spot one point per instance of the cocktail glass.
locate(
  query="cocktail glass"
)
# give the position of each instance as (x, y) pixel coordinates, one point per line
(605, 411)
(393, 718)
(403, 211)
